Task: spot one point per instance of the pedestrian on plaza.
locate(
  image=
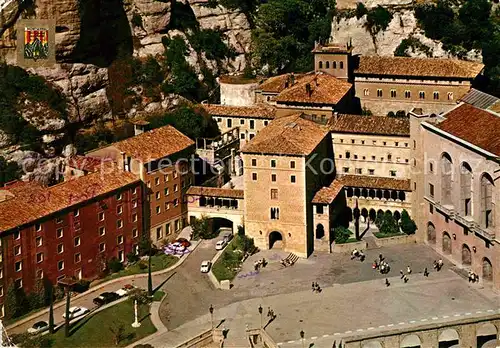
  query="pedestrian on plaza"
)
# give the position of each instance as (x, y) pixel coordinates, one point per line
(426, 272)
(471, 276)
(269, 311)
(361, 256)
(312, 286)
(387, 282)
(408, 269)
(380, 257)
(402, 274)
(375, 264)
(440, 264)
(435, 264)
(405, 279)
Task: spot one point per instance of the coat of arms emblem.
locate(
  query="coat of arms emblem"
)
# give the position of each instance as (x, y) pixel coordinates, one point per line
(36, 43)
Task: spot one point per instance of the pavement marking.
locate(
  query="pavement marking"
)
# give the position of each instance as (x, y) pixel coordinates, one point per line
(490, 310)
(326, 335)
(390, 325)
(412, 321)
(381, 326)
(359, 330)
(468, 313)
(280, 344)
(314, 337)
(423, 319)
(435, 318)
(336, 334)
(290, 341)
(479, 312)
(457, 315)
(348, 332)
(401, 323)
(446, 316)
(371, 328)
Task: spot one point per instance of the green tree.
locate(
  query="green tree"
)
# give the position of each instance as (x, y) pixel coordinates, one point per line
(378, 19)
(145, 245)
(408, 226)
(379, 219)
(37, 295)
(389, 225)
(11, 308)
(361, 10)
(475, 14)
(114, 265)
(342, 234)
(9, 171)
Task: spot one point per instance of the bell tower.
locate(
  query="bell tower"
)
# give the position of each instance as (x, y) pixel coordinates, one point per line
(333, 58)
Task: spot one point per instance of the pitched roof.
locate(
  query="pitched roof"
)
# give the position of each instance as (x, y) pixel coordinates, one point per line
(476, 126)
(258, 111)
(290, 135)
(479, 99)
(324, 89)
(154, 144)
(332, 48)
(276, 84)
(425, 67)
(86, 163)
(375, 125)
(27, 206)
(375, 182)
(214, 192)
(326, 195)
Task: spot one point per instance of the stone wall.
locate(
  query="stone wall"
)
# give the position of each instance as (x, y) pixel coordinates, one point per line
(389, 241)
(237, 94)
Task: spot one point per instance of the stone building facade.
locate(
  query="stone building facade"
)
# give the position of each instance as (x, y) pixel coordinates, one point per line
(456, 179)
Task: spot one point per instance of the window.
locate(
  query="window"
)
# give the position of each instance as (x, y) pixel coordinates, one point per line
(353, 141)
(39, 257)
(251, 136)
(134, 217)
(119, 209)
(379, 93)
(157, 195)
(159, 232)
(431, 167)
(421, 95)
(158, 209)
(242, 121)
(393, 93)
(450, 95)
(252, 124)
(60, 265)
(60, 248)
(341, 65)
(177, 225)
(119, 239)
(38, 227)
(273, 163)
(273, 177)
(19, 283)
(17, 235)
(254, 176)
(274, 193)
(167, 229)
(275, 213)
(347, 154)
(355, 156)
(362, 142)
(119, 197)
(77, 258)
(167, 206)
(431, 190)
(359, 171)
(176, 202)
(102, 247)
(396, 143)
(17, 250)
(435, 95)
(431, 209)
(39, 241)
(345, 169)
(165, 178)
(366, 92)
(327, 64)
(176, 188)
(19, 266)
(77, 241)
(385, 143)
(371, 171)
(59, 220)
(119, 223)
(229, 123)
(392, 172)
(487, 204)
(254, 162)
(407, 94)
(266, 123)
(334, 64)
(135, 233)
(102, 231)
(373, 158)
(242, 136)
(101, 216)
(341, 140)
(76, 213)
(466, 189)
(320, 64)
(319, 209)
(121, 255)
(134, 191)
(292, 179)
(292, 164)
(59, 233)
(157, 181)
(389, 157)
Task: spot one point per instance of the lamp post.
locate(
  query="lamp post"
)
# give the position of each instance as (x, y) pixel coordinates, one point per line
(136, 323)
(211, 309)
(302, 333)
(260, 312)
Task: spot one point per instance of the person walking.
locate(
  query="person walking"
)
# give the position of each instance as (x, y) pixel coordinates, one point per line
(426, 272)
(405, 279)
(387, 282)
(408, 269)
(402, 274)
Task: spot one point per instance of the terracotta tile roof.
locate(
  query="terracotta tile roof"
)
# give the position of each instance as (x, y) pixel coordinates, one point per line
(325, 89)
(87, 163)
(214, 192)
(237, 79)
(375, 182)
(476, 126)
(332, 48)
(258, 111)
(326, 195)
(425, 67)
(154, 144)
(375, 125)
(276, 84)
(290, 135)
(26, 207)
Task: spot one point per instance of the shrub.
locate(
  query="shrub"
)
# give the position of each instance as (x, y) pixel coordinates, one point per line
(114, 265)
(391, 114)
(136, 20)
(389, 224)
(378, 19)
(342, 234)
(401, 113)
(132, 257)
(82, 286)
(142, 265)
(408, 226)
(360, 10)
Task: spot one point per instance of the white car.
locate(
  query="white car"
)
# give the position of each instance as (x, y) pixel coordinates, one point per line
(205, 266)
(75, 312)
(220, 244)
(37, 327)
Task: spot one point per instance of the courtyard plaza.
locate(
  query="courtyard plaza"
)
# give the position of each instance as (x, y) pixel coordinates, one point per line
(354, 297)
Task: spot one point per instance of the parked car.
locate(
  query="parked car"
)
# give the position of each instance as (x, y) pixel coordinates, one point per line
(105, 298)
(220, 244)
(224, 230)
(205, 266)
(39, 326)
(75, 312)
(227, 236)
(183, 241)
(125, 290)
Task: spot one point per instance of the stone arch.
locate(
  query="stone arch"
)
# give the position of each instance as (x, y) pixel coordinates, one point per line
(327, 64)
(402, 196)
(364, 213)
(486, 201)
(486, 335)
(320, 231)
(487, 270)
(364, 192)
(372, 214)
(371, 193)
(410, 341)
(276, 240)
(431, 233)
(388, 212)
(387, 194)
(466, 255)
(334, 64)
(357, 192)
(372, 344)
(446, 247)
(397, 215)
(448, 338)
(349, 192)
(394, 194)
(446, 178)
(378, 194)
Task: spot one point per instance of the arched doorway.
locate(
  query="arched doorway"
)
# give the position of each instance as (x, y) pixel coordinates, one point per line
(486, 335)
(410, 341)
(275, 240)
(397, 215)
(364, 214)
(449, 338)
(220, 223)
(487, 270)
(446, 243)
(320, 231)
(372, 344)
(372, 214)
(466, 255)
(431, 233)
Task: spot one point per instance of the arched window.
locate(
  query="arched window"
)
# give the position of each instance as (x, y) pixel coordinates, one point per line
(335, 65)
(465, 189)
(446, 243)
(466, 255)
(341, 65)
(486, 199)
(320, 64)
(327, 64)
(431, 233)
(446, 177)
(487, 270)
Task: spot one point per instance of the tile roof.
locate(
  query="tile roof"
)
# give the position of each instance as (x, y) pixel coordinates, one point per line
(375, 125)
(479, 99)
(258, 111)
(476, 126)
(154, 144)
(276, 84)
(332, 48)
(425, 67)
(214, 192)
(87, 163)
(27, 207)
(375, 182)
(326, 195)
(290, 135)
(324, 89)
(237, 79)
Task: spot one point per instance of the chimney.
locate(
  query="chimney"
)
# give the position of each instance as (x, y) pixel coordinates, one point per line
(336, 116)
(308, 89)
(292, 78)
(140, 126)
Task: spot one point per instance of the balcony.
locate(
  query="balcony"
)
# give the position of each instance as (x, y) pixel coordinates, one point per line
(467, 221)
(448, 210)
(485, 233)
